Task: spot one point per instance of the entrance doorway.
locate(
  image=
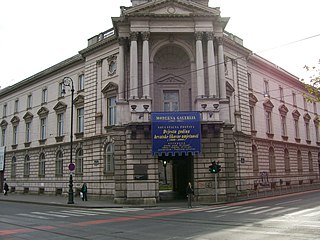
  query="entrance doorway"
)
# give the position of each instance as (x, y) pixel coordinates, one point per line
(174, 175)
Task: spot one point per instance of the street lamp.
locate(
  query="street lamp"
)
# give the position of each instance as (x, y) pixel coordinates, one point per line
(164, 163)
(68, 82)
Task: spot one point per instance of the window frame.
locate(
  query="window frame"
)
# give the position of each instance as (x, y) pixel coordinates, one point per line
(43, 128)
(109, 158)
(80, 120)
(26, 170)
(79, 161)
(59, 164)
(42, 165)
(111, 111)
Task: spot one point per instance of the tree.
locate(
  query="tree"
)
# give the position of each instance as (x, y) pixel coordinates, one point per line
(313, 86)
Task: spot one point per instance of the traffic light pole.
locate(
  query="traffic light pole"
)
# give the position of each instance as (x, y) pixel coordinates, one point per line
(216, 186)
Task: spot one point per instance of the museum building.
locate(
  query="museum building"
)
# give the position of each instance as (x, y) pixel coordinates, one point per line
(153, 102)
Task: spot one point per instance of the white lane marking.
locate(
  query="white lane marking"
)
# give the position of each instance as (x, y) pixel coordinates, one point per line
(49, 214)
(32, 216)
(300, 212)
(67, 213)
(251, 210)
(267, 210)
(283, 203)
(227, 208)
(283, 211)
(83, 212)
(312, 214)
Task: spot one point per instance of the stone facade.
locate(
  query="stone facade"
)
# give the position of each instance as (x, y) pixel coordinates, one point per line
(160, 56)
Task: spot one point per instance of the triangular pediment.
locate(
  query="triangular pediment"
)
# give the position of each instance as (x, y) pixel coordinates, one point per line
(60, 107)
(79, 100)
(283, 109)
(4, 124)
(110, 87)
(43, 111)
(28, 117)
(172, 8)
(15, 120)
(171, 79)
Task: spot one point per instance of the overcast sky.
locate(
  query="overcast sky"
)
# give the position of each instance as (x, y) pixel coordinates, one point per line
(36, 34)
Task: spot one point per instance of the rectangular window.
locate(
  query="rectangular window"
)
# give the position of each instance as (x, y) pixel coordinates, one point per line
(296, 129)
(43, 128)
(315, 108)
(305, 104)
(60, 124)
(252, 120)
(111, 111)
(61, 90)
(4, 112)
(281, 94)
(3, 137)
(15, 135)
(29, 101)
(283, 126)
(268, 122)
(28, 132)
(266, 88)
(171, 101)
(44, 95)
(294, 99)
(307, 131)
(249, 81)
(16, 106)
(81, 82)
(316, 125)
(80, 120)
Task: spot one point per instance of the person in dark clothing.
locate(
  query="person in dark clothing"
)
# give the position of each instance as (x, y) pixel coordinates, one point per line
(6, 188)
(190, 193)
(84, 190)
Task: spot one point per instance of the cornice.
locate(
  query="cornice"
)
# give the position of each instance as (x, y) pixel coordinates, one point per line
(97, 46)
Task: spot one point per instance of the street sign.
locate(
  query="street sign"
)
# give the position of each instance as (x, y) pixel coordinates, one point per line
(72, 167)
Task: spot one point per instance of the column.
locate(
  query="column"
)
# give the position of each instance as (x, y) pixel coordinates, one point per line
(222, 77)
(212, 78)
(145, 65)
(121, 69)
(199, 64)
(133, 66)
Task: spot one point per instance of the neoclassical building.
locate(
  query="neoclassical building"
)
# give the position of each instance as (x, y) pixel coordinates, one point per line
(157, 98)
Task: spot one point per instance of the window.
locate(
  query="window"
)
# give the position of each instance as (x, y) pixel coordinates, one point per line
(79, 161)
(296, 129)
(15, 135)
(294, 99)
(59, 164)
(42, 165)
(60, 124)
(283, 125)
(268, 122)
(81, 82)
(16, 106)
(29, 101)
(13, 167)
(286, 161)
(307, 124)
(315, 108)
(272, 160)
(44, 95)
(4, 110)
(281, 94)
(80, 120)
(171, 101)
(252, 120)
(3, 136)
(305, 104)
(310, 162)
(43, 128)
(316, 126)
(249, 81)
(299, 160)
(26, 166)
(255, 160)
(109, 158)
(111, 111)
(266, 88)
(61, 90)
(28, 132)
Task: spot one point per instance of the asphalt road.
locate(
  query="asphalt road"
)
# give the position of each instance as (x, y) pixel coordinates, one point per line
(293, 217)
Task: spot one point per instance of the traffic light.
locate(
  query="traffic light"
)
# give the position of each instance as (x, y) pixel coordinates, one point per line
(214, 167)
(218, 167)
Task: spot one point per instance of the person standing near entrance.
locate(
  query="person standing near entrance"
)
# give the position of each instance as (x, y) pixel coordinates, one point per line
(190, 193)
(5, 188)
(84, 190)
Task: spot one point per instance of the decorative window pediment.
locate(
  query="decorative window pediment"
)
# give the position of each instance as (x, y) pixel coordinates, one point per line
(110, 89)
(316, 120)
(4, 124)
(283, 110)
(296, 114)
(252, 99)
(60, 107)
(15, 120)
(78, 101)
(268, 106)
(43, 112)
(229, 89)
(28, 117)
(171, 79)
(307, 117)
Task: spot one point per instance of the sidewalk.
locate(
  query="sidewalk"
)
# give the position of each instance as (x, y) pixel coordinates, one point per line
(78, 203)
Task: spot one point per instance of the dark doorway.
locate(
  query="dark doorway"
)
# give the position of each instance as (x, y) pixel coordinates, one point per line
(175, 173)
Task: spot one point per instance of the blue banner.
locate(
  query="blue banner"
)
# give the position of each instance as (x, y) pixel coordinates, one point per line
(175, 133)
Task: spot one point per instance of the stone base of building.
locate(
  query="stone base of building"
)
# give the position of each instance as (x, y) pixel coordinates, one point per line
(136, 201)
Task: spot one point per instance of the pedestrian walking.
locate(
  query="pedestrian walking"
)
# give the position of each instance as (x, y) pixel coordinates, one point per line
(5, 189)
(190, 193)
(84, 190)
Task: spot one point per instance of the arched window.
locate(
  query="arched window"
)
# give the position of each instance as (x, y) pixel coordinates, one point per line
(286, 161)
(272, 160)
(26, 166)
(13, 167)
(299, 161)
(255, 160)
(79, 161)
(42, 165)
(59, 164)
(310, 162)
(109, 158)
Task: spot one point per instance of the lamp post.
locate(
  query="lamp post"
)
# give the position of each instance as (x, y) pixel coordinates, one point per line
(165, 171)
(68, 82)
